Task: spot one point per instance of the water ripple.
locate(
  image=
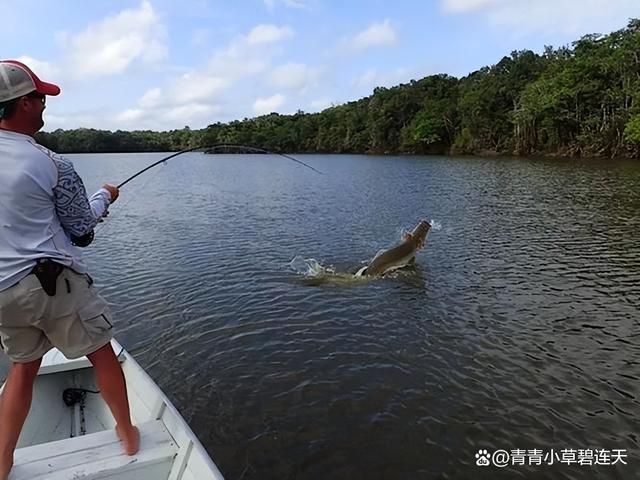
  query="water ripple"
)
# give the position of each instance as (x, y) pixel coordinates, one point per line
(518, 328)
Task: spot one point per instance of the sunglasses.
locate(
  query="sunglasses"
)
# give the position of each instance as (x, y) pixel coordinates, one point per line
(41, 97)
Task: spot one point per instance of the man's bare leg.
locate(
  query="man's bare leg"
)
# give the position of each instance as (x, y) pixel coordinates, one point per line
(14, 408)
(114, 391)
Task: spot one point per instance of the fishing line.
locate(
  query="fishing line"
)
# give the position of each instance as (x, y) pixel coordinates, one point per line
(208, 149)
(107, 222)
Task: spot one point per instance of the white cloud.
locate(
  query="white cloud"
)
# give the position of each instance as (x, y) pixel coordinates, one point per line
(466, 5)
(271, 4)
(371, 78)
(201, 37)
(112, 45)
(196, 115)
(77, 120)
(195, 97)
(250, 54)
(196, 87)
(263, 34)
(294, 76)
(44, 70)
(191, 99)
(131, 116)
(151, 98)
(263, 106)
(376, 35)
(190, 114)
(320, 104)
(367, 79)
(193, 87)
(569, 17)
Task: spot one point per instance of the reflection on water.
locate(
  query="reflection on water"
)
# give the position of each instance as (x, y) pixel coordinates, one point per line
(516, 329)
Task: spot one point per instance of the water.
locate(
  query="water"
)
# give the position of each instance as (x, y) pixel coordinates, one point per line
(516, 329)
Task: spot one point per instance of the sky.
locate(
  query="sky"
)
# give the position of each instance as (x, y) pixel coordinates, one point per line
(166, 64)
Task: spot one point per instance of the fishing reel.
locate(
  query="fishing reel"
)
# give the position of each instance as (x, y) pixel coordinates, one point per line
(83, 240)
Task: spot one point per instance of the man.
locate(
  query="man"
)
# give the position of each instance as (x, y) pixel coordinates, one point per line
(46, 296)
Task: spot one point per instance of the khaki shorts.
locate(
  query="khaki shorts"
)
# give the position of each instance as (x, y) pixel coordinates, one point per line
(76, 320)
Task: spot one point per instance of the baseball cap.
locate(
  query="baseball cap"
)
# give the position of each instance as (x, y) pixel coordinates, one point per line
(17, 80)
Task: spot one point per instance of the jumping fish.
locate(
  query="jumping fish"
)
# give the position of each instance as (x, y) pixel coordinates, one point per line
(400, 255)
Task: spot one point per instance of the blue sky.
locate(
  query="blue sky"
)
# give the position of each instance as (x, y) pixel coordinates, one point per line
(164, 64)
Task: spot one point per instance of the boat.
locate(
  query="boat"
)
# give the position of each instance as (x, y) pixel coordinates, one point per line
(69, 433)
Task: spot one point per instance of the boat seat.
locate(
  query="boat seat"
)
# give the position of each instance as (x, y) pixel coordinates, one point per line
(98, 456)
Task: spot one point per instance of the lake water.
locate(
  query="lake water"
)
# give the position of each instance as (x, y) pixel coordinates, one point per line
(518, 328)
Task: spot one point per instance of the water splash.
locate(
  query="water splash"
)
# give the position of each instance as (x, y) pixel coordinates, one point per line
(435, 225)
(309, 267)
(314, 273)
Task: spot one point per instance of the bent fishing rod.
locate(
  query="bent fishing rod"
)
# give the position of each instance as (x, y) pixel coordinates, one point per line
(85, 240)
(213, 148)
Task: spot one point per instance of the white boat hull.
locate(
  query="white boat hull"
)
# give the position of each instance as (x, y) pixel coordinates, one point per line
(60, 442)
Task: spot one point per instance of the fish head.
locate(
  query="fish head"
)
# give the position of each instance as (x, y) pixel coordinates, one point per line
(419, 233)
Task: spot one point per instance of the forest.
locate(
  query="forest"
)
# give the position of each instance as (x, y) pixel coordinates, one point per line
(581, 100)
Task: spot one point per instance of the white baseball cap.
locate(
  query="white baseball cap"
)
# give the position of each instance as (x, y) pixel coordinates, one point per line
(17, 80)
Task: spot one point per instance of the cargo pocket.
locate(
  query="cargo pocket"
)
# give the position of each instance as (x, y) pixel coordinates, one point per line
(86, 328)
(96, 317)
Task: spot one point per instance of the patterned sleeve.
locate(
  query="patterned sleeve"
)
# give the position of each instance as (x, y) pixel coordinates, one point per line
(77, 213)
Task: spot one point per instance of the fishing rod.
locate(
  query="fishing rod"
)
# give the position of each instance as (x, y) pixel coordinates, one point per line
(211, 148)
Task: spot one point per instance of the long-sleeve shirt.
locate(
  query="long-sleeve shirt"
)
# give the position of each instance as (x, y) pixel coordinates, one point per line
(42, 203)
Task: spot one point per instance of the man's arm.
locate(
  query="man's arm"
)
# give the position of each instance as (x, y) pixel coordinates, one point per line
(78, 214)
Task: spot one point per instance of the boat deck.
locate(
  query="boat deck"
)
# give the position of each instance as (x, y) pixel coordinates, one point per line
(98, 456)
(68, 438)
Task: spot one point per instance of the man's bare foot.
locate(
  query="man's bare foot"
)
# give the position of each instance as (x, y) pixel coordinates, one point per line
(130, 440)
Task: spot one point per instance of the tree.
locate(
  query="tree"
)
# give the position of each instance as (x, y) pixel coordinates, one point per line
(632, 130)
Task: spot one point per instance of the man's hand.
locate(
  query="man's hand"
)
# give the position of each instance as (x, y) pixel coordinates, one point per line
(113, 191)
